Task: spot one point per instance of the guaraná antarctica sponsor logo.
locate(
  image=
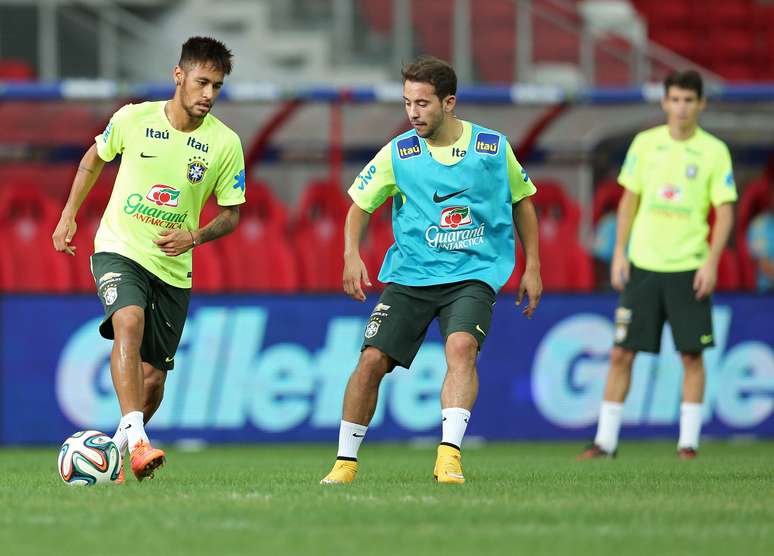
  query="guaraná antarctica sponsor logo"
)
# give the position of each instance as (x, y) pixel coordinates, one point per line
(453, 218)
(161, 195)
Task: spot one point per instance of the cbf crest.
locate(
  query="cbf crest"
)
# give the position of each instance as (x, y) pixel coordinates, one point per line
(196, 169)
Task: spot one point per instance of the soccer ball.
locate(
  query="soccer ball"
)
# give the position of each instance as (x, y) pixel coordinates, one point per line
(89, 458)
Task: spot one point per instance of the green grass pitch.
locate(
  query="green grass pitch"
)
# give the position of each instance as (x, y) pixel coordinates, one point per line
(519, 499)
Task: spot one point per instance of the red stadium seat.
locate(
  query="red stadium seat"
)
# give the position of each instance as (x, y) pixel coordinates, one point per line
(258, 255)
(564, 263)
(606, 198)
(756, 198)
(16, 70)
(317, 236)
(27, 220)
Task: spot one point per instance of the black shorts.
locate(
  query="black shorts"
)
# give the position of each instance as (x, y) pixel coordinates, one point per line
(400, 319)
(121, 282)
(652, 298)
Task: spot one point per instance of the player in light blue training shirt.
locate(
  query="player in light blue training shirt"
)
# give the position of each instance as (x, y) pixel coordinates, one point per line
(458, 195)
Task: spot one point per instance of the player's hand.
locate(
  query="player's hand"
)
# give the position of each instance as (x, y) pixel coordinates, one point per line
(63, 235)
(532, 285)
(174, 242)
(704, 280)
(619, 271)
(355, 274)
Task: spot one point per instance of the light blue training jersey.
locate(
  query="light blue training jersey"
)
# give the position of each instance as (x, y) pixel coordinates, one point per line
(451, 222)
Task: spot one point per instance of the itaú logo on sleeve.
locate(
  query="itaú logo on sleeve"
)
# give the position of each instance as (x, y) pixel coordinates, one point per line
(163, 195)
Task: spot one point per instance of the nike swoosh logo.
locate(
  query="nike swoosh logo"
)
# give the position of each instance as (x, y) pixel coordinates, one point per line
(143, 155)
(479, 329)
(169, 359)
(456, 475)
(441, 198)
(357, 435)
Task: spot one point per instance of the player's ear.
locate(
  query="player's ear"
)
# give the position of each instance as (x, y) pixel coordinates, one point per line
(449, 103)
(178, 75)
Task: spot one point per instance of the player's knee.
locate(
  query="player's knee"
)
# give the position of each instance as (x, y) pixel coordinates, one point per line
(128, 321)
(621, 358)
(375, 361)
(692, 362)
(461, 347)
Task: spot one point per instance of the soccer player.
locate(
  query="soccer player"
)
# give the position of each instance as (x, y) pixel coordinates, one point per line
(671, 175)
(174, 155)
(457, 193)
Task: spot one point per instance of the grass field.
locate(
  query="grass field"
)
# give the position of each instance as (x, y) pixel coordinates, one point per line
(519, 499)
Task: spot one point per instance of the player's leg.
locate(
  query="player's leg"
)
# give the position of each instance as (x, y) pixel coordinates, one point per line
(639, 320)
(691, 322)
(465, 316)
(153, 390)
(123, 289)
(393, 336)
(691, 409)
(360, 400)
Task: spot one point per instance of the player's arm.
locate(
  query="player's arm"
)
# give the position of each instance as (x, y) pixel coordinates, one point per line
(371, 188)
(722, 196)
(707, 276)
(526, 223)
(176, 242)
(89, 170)
(354, 269)
(620, 267)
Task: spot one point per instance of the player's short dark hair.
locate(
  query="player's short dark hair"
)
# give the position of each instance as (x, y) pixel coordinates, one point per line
(206, 50)
(689, 80)
(432, 70)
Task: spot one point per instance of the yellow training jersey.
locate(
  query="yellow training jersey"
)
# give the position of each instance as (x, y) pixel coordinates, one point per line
(164, 179)
(676, 181)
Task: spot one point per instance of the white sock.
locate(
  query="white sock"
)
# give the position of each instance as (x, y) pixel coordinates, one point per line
(609, 425)
(455, 421)
(690, 425)
(131, 424)
(121, 441)
(350, 437)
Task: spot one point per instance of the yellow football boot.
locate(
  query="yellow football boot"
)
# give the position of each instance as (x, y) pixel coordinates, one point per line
(448, 465)
(343, 472)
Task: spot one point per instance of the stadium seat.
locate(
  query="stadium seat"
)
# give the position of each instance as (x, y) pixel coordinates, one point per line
(258, 255)
(607, 195)
(565, 265)
(755, 198)
(27, 220)
(317, 236)
(16, 70)
(378, 15)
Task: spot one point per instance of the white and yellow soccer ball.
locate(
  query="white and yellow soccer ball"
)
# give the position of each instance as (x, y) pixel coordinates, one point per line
(89, 458)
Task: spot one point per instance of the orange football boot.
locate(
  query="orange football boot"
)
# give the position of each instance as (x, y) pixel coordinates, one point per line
(145, 460)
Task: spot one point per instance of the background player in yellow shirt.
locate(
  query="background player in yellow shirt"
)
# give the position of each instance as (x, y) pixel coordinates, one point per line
(175, 154)
(671, 175)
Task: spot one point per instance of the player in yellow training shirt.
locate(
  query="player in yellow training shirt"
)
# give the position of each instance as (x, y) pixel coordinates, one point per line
(672, 174)
(174, 155)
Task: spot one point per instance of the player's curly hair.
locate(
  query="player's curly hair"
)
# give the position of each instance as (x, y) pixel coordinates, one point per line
(206, 50)
(689, 80)
(432, 70)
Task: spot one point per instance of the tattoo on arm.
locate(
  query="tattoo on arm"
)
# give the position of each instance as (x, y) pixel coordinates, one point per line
(224, 223)
(84, 169)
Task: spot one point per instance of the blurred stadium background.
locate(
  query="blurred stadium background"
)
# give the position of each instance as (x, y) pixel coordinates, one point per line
(315, 93)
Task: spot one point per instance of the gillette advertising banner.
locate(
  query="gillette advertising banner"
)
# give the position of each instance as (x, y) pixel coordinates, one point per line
(274, 368)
